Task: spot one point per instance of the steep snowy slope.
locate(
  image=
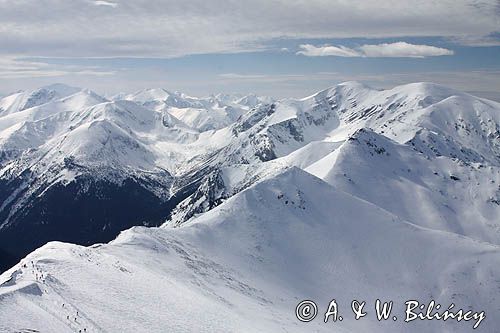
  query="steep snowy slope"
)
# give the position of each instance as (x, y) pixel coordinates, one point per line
(212, 118)
(455, 124)
(275, 130)
(439, 193)
(158, 99)
(226, 181)
(114, 164)
(244, 266)
(434, 120)
(70, 165)
(31, 128)
(210, 113)
(27, 99)
(252, 100)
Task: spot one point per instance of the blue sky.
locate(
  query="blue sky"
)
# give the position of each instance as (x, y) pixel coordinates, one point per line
(274, 47)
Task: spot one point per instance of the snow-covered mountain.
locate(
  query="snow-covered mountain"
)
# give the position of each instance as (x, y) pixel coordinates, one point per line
(27, 99)
(244, 266)
(432, 121)
(439, 193)
(68, 154)
(407, 178)
(209, 113)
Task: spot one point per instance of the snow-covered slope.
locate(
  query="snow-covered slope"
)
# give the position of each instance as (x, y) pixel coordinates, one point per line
(30, 128)
(244, 266)
(439, 193)
(209, 113)
(430, 119)
(226, 180)
(434, 118)
(81, 167)
(78, 159)
(27, 99)
(406, 206)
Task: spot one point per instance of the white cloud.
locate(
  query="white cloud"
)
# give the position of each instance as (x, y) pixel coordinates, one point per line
(385, 50)
(403, 49)
(169, 28)
(328, 50)
(105, 3)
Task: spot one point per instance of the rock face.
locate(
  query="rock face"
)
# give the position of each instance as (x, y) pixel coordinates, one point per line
(77, 167)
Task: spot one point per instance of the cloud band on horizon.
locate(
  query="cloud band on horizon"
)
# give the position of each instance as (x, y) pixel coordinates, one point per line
(384, 50)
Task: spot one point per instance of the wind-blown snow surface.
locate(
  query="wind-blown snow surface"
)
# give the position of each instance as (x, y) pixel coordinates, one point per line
(245, 265)
(406, 206)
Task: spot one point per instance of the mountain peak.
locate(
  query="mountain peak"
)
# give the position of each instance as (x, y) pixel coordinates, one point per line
(348, 88)
(354, 84)
(61, 88)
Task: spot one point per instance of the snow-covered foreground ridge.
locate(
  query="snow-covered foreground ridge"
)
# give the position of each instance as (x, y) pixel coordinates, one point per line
(351, 193)
(243, 267)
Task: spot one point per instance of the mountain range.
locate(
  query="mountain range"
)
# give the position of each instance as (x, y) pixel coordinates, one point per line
(222, 213)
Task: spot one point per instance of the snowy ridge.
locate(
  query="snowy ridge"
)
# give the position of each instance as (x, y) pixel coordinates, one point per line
(439, 193)
(86, 134)
(210, 113)
(432, 119)
(27, 99)
(233, 264)
(406, 205)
